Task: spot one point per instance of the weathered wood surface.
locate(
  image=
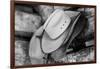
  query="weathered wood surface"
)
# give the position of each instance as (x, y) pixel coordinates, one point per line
(25, 21)
(83, 55)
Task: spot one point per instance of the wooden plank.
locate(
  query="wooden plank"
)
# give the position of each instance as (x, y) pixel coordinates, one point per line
(24, 35)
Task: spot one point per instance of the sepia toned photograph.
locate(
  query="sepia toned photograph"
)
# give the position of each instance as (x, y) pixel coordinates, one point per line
(52, 34)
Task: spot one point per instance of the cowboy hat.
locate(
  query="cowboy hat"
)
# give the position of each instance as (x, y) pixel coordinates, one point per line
(57, 29)
(52, 35)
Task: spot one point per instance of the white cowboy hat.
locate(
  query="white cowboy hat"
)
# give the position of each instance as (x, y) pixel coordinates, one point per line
(58, 29)
(55, 32)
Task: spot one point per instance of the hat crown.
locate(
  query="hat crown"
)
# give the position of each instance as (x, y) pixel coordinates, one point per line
(57, 23)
